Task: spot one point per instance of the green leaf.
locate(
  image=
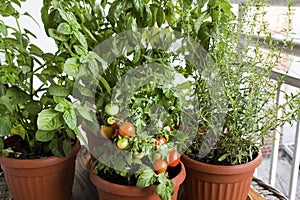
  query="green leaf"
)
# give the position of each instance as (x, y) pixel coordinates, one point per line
(59, 90)
(4, 100)
(49, 120)
(80, 37)
(44, 136)
(80, 50)
(223, 157)
(68, 16)
(199, 22)
(70, 118)
(106, 85)
(84, 113)
(201, 3)
(146, 177)
(17, 95)
(64, 28)
(67, 147)
(7, 10)
(56, 148)
(71, 67)
(56, 35)
(18, 130)
(3, 29)
(165, 188)
(160, 18)
(5, 125)
(35, 50)
(33, 107)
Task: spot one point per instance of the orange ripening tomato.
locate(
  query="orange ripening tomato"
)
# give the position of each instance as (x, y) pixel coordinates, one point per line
(127, 129)
(160, 166)
(159, 140)
(174, 158)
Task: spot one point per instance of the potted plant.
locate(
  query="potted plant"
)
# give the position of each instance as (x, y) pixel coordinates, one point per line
(40, 146)
(102, 83)
(221, 159)
(125, 74)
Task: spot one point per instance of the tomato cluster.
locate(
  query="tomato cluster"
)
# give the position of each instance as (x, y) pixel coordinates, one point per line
(173, 160)
(121, 131)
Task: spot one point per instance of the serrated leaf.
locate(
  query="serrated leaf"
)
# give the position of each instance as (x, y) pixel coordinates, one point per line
(146, 177)
(5, 125)
(44, 136)
(64, 28)
(49, 120)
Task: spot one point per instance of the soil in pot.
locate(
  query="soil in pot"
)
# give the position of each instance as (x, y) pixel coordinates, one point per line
(121, 191)
(46, 178)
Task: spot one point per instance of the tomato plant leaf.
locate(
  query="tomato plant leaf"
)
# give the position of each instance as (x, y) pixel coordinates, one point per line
(146, 177)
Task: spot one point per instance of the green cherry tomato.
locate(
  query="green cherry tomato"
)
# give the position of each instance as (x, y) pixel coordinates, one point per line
(111, 120)
(112, 109)
(122, 143)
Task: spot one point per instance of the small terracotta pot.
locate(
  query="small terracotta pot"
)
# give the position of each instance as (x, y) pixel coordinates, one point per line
(111, 191)
(40, 179)
(217, 182)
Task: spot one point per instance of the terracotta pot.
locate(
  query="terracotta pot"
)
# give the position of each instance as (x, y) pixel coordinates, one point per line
(40, 179)
(217, 182)
(111, 191)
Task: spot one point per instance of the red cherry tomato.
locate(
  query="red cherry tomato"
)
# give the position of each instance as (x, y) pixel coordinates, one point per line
(160, 166)
(159, 141)
(127, 129)
(174, 158)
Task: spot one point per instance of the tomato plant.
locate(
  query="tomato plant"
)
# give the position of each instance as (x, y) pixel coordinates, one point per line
(160, 166)
(174, 158)
(127, 129)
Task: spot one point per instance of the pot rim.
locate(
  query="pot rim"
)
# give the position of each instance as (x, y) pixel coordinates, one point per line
(134, 191)
(40, 162)
(222, 169)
